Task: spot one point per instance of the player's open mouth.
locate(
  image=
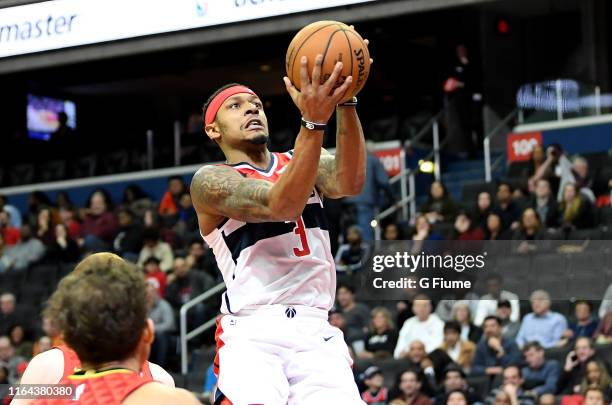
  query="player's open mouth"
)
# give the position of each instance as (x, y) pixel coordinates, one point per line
(254, 124)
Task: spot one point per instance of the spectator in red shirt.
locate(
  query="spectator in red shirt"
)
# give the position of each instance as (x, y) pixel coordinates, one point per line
(69, 218)
(11, 235)
(465, 229)
(99, 225)
(154, 275)
(170, 201)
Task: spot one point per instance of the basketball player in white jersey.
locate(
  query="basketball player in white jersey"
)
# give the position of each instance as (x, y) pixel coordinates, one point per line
(262, 214)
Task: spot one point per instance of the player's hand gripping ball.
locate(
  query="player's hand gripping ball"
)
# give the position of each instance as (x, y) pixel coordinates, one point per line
(337, 42)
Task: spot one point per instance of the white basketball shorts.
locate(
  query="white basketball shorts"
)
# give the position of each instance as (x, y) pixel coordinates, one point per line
(282, 355)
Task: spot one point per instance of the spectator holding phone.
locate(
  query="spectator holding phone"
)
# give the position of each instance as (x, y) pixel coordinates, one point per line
(574, 369)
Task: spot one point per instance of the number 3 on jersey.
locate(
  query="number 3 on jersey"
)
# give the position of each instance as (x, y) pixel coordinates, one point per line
(300, 230)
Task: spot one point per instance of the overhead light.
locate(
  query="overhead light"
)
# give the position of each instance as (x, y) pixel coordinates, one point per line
(426, 166)
(374, 223)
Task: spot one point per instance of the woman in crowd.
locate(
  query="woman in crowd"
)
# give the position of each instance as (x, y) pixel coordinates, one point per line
(439, 206)
(64, 249)
(423, 235)
(483, 209)
(596, 374)
(382, 338)
(465, 229)
(531, 227)
(44, 226)
(21, 342)
(462, 313)
(495, 229)
(575, 210)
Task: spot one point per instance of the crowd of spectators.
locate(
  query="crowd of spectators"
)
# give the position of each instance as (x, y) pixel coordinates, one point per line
(439, 361)
(441, 345)
(163, 240)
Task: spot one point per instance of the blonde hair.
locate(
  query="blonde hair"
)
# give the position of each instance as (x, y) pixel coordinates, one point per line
(385, 312)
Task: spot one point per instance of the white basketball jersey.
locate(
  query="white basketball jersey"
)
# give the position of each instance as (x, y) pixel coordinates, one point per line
(287, 263)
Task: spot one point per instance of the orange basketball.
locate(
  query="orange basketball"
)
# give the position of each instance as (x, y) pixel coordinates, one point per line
(337, 42)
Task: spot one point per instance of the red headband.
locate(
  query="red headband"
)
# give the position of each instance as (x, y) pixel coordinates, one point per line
(215, 104)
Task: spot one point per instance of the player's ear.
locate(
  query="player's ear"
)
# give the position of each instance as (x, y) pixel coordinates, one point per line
(213, 131)
(148, 334)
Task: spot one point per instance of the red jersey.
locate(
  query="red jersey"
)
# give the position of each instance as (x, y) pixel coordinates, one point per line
(109, 387)
(11, 236)
(72, 363)
(158, 279)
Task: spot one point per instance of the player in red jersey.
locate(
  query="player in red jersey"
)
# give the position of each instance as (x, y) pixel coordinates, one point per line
(53, 365)
(101, 309)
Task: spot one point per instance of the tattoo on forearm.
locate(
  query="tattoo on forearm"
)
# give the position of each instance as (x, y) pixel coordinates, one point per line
(326, 176)
(227, 192)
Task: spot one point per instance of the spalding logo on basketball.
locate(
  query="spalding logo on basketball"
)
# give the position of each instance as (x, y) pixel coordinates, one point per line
(337, 42)
(290, 312)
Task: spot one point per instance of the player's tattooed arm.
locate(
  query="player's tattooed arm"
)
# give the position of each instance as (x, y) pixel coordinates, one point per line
(327, 176)
(219, 190)
(335, 183)
(343, 174)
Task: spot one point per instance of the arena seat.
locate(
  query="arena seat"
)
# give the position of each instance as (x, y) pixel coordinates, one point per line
(584, 234)
(42, 275)
(33, 295)
(604, 350)
(12, 281)
(64, 269)
(518, 170)
(481, 384)
(557, 353)
(605, 214)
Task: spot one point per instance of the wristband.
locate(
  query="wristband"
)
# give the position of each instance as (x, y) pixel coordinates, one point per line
(350, 103)
(313, 126)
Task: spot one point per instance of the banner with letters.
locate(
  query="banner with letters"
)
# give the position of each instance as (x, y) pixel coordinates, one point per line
(60, 24)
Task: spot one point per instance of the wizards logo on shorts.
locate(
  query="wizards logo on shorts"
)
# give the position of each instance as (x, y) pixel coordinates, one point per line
(290, 312)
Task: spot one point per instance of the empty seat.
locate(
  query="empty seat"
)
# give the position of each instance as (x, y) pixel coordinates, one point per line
(606, 215)
(33, 295)
(13, 280)
(585, 234)
(558, 353)
(42, 274)
(518, 170)
(64, 269)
